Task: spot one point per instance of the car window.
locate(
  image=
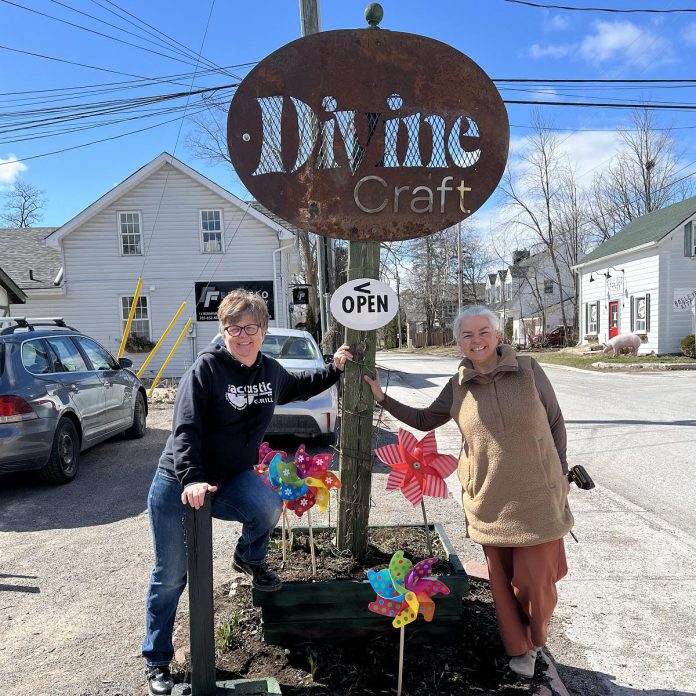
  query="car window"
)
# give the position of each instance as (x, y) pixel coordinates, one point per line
(35, 357)
(2, 357)
(298, 348)
(98, 356)
(69, 357)
(272, 345)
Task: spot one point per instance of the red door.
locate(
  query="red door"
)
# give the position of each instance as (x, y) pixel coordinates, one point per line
(613, 319)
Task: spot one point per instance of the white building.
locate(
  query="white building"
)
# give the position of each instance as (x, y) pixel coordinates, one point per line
(528, 294)
(643, 280)
(189, 240)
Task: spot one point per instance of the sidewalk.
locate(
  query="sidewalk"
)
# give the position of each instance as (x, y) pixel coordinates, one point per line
(624, 624)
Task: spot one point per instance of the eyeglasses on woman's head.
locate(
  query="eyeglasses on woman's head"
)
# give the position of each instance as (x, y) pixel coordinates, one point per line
(249, 330)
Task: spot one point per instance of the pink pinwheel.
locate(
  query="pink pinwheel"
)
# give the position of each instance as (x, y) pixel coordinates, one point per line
(314, 471)
(266, 454)
(418, 469)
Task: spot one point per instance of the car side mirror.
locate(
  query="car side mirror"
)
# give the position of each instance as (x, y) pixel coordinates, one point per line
(125, 362)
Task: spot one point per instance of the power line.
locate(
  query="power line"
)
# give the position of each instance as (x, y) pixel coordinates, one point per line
(93, 31)
(648, 107)
(597, 9)
(94, 142)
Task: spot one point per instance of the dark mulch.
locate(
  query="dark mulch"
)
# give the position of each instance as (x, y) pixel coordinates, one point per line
(471, 663)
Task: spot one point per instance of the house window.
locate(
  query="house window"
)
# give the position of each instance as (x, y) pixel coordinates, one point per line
(508, 291)
(130, 232)
(141, 319)
(497, 293)
(211, 232)
(690, 239)
(548, 287)
(592, 310)
(640, 314)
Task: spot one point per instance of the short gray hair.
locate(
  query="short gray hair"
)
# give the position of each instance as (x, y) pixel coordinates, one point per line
(475, 311)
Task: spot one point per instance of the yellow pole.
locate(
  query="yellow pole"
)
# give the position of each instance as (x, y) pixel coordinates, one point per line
(131, 314)
(169, 357)
(159, 343)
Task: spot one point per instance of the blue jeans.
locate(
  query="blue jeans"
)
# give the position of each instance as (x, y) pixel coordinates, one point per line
(245, 498)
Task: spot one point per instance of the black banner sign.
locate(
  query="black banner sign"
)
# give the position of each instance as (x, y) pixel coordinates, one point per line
(209, 295)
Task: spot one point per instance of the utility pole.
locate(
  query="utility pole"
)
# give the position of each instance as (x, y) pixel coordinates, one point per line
(460, 279)
(310, 21)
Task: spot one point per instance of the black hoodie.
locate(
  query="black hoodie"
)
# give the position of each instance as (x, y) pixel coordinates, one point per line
(223, 408)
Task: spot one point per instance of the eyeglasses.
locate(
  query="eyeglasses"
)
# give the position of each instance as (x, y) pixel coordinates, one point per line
(249, 330)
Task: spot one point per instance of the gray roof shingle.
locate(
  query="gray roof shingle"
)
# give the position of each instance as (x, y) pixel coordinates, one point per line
(647, 228)
(22, 250)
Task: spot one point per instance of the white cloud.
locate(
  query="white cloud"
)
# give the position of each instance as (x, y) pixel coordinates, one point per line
(550, 51)
(557, 23)
(689, 33)
(627, 44)
(10, 169)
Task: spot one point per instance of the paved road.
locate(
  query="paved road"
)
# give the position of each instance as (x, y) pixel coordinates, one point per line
(626, 609)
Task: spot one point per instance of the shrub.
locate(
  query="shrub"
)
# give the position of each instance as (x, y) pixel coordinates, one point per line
(139, 344)
(688, 346)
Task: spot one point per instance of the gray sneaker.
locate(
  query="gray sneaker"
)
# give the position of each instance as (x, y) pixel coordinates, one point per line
(159, 680)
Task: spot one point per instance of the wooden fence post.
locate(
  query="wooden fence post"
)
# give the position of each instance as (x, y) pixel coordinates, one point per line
(199, 551)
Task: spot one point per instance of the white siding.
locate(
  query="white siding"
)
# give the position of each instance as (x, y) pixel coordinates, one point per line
(677, 272)
(4, 302)
(641, 276)
(96, 275)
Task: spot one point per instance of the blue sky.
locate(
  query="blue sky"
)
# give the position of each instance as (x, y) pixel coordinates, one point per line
(507, 40)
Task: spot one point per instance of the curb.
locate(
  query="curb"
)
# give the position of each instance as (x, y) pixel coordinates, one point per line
(479, 571)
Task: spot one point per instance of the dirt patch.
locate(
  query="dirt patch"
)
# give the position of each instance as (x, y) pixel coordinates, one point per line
(471, 661)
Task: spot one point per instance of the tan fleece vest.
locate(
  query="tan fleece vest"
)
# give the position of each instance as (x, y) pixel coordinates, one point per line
(514, 491)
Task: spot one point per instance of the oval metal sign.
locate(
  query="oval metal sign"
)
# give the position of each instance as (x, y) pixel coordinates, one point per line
(368, 134)
(364, 304)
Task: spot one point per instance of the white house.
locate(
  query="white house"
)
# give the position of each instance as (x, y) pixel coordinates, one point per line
(189, 240)
(643, 280)
(527, 293)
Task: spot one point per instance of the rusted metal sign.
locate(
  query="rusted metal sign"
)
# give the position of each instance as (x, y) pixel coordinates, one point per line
(368, 134)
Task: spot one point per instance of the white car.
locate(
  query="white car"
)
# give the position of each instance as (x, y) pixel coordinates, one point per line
(298, 352)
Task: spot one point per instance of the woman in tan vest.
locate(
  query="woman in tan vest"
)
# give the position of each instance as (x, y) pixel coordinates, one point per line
(513, 474)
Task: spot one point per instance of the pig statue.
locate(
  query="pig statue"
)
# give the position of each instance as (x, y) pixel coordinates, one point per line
(615, 345)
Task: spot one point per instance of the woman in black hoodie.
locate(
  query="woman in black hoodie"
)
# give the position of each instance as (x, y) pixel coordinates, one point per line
(224, 404)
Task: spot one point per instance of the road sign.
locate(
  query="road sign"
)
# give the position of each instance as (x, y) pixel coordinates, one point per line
(364, 304)
(365, 134)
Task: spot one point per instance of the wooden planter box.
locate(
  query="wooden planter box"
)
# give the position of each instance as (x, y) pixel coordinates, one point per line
(337, 609)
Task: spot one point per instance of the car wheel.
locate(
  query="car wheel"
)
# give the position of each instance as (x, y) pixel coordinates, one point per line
(64, 459)
(137, 430)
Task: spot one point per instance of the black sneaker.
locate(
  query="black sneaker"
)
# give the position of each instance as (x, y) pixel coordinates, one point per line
(159, 680)
(262, 577)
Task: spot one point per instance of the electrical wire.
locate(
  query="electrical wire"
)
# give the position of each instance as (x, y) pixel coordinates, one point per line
(597, 9)
(98, 33)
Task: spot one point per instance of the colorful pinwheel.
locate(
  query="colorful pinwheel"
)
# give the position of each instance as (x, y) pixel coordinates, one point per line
(404, 591)
(418, 469)
(314, 471)
(300, 483)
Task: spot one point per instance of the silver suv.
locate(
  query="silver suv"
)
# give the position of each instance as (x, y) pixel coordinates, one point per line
(60, 393)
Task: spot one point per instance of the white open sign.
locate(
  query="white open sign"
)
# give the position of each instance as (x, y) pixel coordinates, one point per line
(364, 304)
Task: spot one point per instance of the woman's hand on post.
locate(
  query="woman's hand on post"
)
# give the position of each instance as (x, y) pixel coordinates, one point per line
(341, 356)
(194, 494)
(375, 386)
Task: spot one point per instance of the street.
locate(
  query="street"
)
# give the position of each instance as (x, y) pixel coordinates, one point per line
(627, 605)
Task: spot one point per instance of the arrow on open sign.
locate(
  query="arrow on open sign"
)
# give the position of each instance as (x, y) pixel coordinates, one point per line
(363, 287)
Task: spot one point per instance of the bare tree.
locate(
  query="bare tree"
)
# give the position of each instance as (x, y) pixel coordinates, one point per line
(23, 205)
(541, 199)
(645, 176)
